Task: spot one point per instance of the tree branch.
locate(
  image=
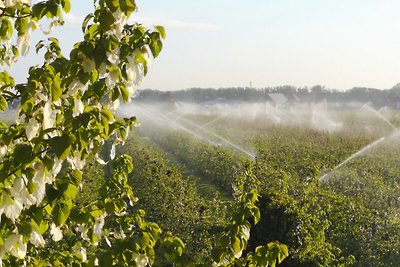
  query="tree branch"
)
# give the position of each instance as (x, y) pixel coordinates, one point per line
(4, 14)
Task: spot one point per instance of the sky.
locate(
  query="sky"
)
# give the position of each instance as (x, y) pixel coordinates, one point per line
(339, 44)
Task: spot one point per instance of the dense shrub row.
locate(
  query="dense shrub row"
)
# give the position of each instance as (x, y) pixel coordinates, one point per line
(218, 165)
(350, 219)
(173, 202)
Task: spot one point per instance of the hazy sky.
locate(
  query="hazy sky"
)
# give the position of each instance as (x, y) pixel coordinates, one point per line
(221, 43)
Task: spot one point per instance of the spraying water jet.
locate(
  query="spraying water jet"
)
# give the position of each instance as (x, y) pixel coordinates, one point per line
(240, 149)
(358, 153)
(379, 115)
(395, 131)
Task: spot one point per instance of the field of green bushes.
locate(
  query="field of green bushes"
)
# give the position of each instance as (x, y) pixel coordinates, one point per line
(186, 183)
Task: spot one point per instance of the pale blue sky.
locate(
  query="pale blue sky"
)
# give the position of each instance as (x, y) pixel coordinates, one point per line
(222, 43)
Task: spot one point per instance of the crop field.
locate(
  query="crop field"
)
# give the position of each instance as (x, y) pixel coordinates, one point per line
(329, 177)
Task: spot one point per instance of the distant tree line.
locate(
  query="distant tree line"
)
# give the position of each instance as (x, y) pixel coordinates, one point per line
(377, 97)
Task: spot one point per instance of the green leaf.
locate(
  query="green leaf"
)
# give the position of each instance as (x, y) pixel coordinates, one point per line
(25, 10)
(25, 229)
(3, 103)
(54, 41)
(52, 193)
(124, 93)
(39, 45)
(61, 212)
(36, 214)
(109, 206)
(236, 245)
(56, 90)
(79, 216)
(84, 77)
(156, 44)
(21, 25)
(144, 239)
(127, 6)
(106, 115)
(6, 28)
(106, 19)
(94, 76)
(66, 5)
(92, 31)
(53, 10)
(42, 227)
(31, 187)
(76, 177)
(6, 79)
(69, 191)
(15, 50)
(23, 154)
(112, 4)
(61, 145)
(96, 213)
(284, 252)
(39, 10)
(256, 214)
(86, 21)
(161, 30)
(87, 48)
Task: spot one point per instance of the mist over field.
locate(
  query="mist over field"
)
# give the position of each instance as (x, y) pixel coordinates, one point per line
(224, 122)
(332, 157)
(369, 110)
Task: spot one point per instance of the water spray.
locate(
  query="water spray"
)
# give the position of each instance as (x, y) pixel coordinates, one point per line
(367, 147)
(176, 124)
(358, 153)
(367, 106)
(240, 149)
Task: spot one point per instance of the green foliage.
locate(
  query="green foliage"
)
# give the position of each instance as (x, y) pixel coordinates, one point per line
(62, 120)
(66, 113)
(234, 241)
(345, 221)
(219, 166)
(172, 201)
(174, 204)
(350, 219)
